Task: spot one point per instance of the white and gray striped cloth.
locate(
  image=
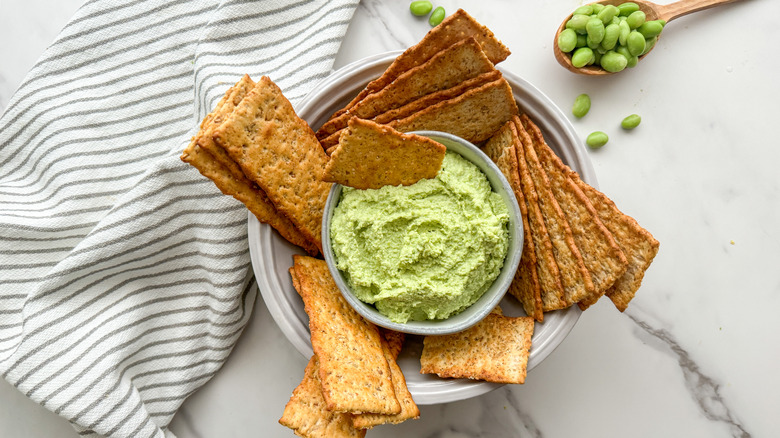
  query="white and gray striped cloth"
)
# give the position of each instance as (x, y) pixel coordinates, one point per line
(125, 278)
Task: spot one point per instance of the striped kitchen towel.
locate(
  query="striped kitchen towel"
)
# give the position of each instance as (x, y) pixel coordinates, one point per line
(125, 278)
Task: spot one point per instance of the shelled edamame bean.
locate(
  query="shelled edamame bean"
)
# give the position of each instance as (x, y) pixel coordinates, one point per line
(614, 36)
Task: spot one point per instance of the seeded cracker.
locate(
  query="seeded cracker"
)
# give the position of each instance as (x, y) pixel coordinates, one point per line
(474, 116)
(307, 415)
(637, 243)
(603, 257)
(525, 284)
(354, 372)
(549, 277)
(420, 104)
(395, 340)
(576, 280)
(454, 28)
(221, 112)
(213, 163)
(462, 61)
(243, 190)
(370, 156)
(409, 409)
(279, 152)
(496, 350)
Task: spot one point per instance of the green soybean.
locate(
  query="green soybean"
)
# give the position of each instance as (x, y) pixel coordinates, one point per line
(631, 122)
(607, 14)
(597, 139)
(578, 23)
(632, 60)
(627, 8)
(595, 29)
(635, 43)
(611, 36)
(584, 10)
(597, 7)
(615, 20)
(650, 28)
(625, 29)
(436, 17)
(636, 19)
(420, 8)
(649, 43)
(590, 43)
(581, 57)
(613, 61)
(581, 106)
(567, 40)
(582, 41)
(596, 58)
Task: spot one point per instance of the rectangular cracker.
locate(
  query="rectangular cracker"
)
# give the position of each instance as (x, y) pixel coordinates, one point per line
(576, 279)
(409, 409)
(307, 415)
(496, 349)
(420, 104)
(371, 156)
(354, 372)
(436, 97)
(247, 193)
(525, 284)
(221, 112)
(452, 29)
(602, 256)
(459, 62)
(278, 151)
(546, 267)
(474, 115)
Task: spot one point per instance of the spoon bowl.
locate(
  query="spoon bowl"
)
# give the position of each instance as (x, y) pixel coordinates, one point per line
(652, 12)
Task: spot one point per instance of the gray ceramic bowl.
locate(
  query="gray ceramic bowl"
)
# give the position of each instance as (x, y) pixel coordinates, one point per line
(477, 311)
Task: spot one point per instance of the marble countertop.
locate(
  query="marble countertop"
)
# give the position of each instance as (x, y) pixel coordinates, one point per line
(695, 353)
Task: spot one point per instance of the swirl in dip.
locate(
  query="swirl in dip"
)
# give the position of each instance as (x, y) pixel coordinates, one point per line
(424, 251)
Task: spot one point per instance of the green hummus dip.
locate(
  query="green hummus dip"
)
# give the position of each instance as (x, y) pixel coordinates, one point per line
(424, 251)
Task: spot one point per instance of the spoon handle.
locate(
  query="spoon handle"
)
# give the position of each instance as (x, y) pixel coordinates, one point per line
(684, 7)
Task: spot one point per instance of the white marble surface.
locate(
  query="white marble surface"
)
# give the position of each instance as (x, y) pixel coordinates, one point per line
(695, 353)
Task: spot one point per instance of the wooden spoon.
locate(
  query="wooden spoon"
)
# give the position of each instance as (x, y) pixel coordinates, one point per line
(652, 12)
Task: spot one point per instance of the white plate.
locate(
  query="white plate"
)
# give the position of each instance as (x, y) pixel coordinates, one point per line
(272, 256)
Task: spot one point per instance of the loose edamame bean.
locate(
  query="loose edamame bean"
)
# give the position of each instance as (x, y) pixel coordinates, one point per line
(581, 106)
(436, 17)
(613, 61)
(595, 29)
(597, 139)
(650, 28)
(578, 23)
(597, 7)
(635, 43)
(627, 8)
(592, 44)
(581, 57)
(567, 40)
(625, 29)
(611, 35)
(649, 43)
(420, 8)
(584, 10)
(582, 41)
(632, 60)
(631, 122)
(607, 14)
(636, 19)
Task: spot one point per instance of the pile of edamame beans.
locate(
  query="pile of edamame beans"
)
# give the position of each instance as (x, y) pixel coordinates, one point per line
(613, 37)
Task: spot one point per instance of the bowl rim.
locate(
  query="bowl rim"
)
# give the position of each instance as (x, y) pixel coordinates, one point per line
(485, 304)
